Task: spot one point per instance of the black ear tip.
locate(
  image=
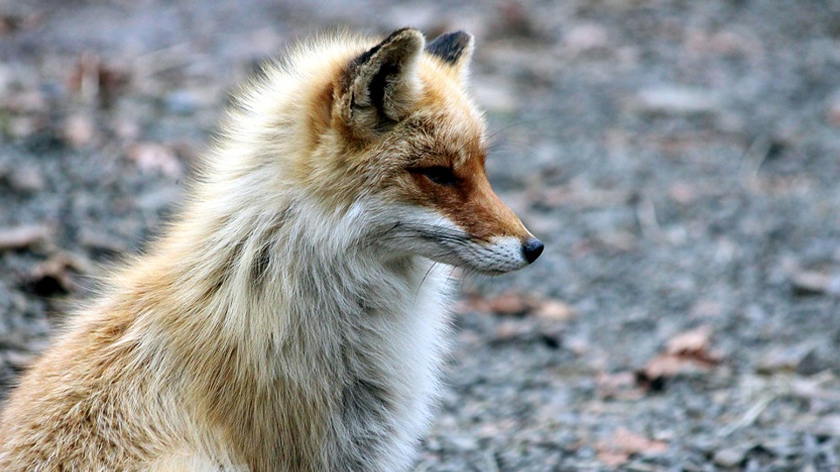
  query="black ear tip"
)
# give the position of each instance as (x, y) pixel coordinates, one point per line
(406, 33)
(450, 46)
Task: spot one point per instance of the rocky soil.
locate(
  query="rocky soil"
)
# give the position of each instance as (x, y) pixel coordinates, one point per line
(679, 158)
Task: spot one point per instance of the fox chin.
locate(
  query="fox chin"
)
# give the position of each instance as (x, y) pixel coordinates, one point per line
(293, 316)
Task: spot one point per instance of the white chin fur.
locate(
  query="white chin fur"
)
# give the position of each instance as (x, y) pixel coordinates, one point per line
(501, 254)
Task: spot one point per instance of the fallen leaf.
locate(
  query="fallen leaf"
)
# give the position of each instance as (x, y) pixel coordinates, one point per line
(554, 310)
(57, 275)
(690, 342)
(93, 79)
(517, 304)
(619, 385)
(613, 458)
(684, 353)
(508, 303)
(623, 444)
(665, 365)
(510, 330)
(633, 443)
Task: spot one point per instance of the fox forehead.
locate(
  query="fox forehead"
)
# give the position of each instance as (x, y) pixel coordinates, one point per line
(446, 125)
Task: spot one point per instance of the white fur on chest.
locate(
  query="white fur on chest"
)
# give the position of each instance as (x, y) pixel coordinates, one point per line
(352, 337)
(391, 357)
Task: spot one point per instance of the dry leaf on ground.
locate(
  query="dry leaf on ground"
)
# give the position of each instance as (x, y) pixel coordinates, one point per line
(686, 352)
(58, 274)
(518, 304)
(623, 444)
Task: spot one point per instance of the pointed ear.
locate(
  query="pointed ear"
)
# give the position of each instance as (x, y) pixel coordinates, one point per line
(381, 85)
(453, 49)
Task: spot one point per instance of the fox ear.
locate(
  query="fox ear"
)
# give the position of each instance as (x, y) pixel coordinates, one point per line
(381, 85)
(453, 49)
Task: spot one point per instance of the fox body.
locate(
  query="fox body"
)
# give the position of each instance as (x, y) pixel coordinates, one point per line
(292, 316)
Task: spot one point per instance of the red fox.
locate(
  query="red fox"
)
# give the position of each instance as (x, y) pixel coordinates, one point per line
(293, 315)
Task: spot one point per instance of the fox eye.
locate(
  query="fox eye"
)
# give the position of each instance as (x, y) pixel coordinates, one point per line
(437, 174)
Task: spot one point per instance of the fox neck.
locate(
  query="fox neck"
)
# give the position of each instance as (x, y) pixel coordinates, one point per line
(292, 310)
(255, 275)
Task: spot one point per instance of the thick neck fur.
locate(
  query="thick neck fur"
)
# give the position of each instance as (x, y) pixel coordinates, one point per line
(283, 317)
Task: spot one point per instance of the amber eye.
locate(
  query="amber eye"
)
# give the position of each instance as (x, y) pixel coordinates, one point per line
(437, 174)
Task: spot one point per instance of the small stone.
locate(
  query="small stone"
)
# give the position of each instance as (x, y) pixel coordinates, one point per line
(26, 179)
(19, 360)
(586, 37)
(78, 130)
(782, 358)
(674, 100)
(812, 363)
(730, 457)
(806, 282)
(827, 426)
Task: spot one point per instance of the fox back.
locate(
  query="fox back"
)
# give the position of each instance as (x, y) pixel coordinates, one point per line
(292, 317)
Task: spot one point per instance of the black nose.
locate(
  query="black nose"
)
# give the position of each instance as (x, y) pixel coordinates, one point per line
(532, 249)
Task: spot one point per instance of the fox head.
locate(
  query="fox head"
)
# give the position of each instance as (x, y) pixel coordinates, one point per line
(393, 136)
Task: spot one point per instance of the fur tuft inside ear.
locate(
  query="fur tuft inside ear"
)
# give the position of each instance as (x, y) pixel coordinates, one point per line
(454, 49)
(381, 85)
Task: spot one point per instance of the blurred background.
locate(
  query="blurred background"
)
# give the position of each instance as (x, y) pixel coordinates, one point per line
(679, 158)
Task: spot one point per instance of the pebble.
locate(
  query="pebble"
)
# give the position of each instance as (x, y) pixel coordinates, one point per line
(78, 130)
(586, 37)
(730, 457)
(27, 179)
(23, 236)
(677, 100)
(19, 360)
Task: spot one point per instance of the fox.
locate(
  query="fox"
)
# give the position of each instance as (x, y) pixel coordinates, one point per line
(293, 314)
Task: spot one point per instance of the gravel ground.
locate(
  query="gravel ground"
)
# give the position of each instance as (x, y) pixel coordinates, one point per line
(679, 159)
